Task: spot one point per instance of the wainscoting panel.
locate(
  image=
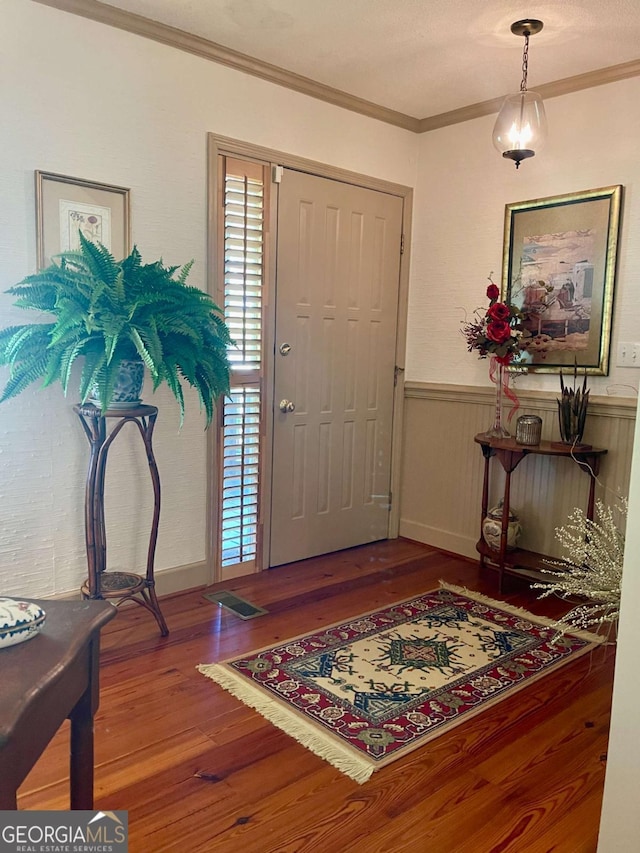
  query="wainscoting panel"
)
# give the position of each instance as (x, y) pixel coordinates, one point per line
(443, 466)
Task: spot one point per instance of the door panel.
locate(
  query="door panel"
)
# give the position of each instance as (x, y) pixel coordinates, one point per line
(336, 306)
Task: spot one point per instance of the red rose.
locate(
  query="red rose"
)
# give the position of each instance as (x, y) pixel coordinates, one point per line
(493, 291)
(499, 311)
(498, 331)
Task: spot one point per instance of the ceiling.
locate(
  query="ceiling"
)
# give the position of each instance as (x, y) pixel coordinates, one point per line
(419, 57)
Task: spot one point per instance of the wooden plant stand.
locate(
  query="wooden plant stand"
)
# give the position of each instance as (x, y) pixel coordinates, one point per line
(120, 586)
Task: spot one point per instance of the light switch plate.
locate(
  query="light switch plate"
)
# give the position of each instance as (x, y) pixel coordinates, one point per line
(628, 354)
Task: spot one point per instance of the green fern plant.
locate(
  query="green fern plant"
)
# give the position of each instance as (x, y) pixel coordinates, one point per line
(107, 311)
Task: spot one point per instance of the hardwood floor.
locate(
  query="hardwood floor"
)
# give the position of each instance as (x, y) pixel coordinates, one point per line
(199, 771)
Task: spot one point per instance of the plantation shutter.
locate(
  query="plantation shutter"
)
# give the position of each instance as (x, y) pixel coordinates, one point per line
(243, 249)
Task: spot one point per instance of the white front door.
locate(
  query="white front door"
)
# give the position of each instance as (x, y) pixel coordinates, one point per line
(338, 266)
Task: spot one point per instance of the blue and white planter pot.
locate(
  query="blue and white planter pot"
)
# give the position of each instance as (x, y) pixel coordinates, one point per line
(128, 388)
(19, 621)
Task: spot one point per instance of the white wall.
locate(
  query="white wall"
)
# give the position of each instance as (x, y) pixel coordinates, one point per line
(93, 102)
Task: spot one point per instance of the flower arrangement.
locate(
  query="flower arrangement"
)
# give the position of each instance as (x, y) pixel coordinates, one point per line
(592, 568)
(498, 331)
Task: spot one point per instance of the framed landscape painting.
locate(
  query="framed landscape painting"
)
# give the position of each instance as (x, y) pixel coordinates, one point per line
(66, 206)
(559, 269)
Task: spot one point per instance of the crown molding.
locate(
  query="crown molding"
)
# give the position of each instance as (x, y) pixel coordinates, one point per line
(173, 37)
(566, 86)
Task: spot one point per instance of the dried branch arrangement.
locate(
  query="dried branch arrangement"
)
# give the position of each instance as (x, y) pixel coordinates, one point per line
(592, 567)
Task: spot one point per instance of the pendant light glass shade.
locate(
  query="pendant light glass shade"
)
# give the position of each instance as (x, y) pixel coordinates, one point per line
(520, 130)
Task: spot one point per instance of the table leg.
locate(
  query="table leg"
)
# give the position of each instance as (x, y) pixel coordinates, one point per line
(592, 471)
(8, 796)
(504, 531)
(487, 453)
(81, 758)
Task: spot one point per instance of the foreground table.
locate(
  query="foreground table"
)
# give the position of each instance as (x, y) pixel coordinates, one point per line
(45, 680)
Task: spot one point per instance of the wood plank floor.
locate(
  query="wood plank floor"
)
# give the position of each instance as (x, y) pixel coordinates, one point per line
(199, 771)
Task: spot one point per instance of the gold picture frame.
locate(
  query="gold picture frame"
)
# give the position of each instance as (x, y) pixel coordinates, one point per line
(65, 205)
(559, 267)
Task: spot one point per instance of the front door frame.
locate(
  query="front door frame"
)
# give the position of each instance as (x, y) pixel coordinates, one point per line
(218, 145)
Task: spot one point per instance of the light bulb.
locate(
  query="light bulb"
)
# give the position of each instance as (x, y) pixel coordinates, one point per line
(519, 137)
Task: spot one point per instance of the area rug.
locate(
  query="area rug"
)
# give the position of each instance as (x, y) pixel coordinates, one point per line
(363, 693)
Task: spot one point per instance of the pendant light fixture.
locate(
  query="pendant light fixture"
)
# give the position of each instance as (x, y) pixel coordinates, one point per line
(521, 126)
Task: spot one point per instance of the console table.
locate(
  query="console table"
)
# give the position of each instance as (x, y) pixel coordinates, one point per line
(120, 586)
(510, 454)
(46, 679)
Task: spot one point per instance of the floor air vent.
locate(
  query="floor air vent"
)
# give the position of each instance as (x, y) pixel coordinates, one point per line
(231, 601)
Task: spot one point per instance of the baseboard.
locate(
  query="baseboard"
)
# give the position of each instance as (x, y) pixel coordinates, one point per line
(168, 581)
(180, 578)
(442, 539)
(69, 595)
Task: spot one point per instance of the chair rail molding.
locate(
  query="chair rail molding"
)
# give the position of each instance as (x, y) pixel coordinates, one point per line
(603, 406)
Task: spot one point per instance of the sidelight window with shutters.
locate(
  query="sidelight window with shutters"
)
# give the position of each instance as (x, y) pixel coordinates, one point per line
(242, 248)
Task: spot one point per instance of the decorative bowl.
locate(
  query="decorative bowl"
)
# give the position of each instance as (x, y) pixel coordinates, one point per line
(19, 621)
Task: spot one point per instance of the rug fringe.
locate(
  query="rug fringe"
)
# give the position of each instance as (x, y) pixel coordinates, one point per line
(587, 636)
(356, 767)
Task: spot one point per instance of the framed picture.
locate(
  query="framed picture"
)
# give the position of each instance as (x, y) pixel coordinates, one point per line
(65, 206)
(559, 268)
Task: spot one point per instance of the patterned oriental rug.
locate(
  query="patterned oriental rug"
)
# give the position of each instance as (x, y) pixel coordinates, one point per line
(363, 693)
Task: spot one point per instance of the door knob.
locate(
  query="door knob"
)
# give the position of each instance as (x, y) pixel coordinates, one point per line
(287, 406)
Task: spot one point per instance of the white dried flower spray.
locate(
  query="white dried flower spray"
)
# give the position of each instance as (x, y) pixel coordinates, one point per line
(592, 567)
